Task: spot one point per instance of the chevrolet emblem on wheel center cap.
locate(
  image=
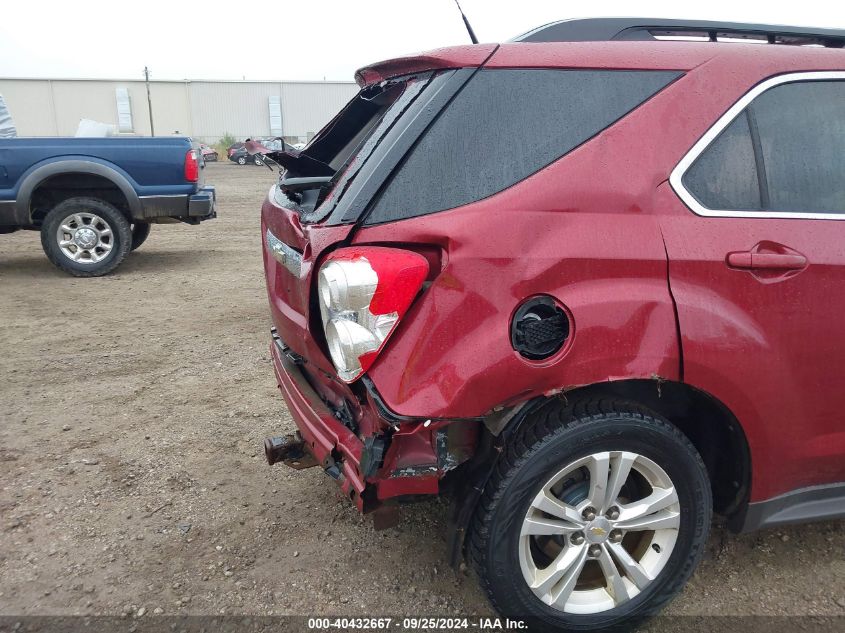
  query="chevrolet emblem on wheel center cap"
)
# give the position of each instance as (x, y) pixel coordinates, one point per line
(598, 530)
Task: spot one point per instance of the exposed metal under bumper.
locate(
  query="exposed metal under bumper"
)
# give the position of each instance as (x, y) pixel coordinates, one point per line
(289, 449)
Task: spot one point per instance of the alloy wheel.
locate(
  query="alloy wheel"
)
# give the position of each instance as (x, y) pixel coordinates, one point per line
(599, 532)
(85, 238)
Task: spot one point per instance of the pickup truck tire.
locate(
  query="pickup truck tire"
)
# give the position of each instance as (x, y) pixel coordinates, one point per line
(86, 237)
(140, 233)
(604, 507)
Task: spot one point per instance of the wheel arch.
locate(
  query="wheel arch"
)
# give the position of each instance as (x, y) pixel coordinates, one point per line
(104, 175)
(710, 426)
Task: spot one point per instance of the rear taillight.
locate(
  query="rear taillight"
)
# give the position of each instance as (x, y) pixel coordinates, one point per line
(363, 292)
(192, 166)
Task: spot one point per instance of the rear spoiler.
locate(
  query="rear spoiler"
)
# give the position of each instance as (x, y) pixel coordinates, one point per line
(452, 57)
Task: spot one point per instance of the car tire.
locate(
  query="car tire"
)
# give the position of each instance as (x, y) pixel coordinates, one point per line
(241, 160)
(140, 233)
(256, 160)
(513, 541)
(95, 229)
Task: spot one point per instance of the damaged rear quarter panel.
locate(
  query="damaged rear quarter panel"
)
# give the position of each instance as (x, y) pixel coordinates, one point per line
(580, 230)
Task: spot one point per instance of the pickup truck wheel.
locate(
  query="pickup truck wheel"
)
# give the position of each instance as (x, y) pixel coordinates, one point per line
(241, 160)
(595, 516)
(140, 233)
(86, 237)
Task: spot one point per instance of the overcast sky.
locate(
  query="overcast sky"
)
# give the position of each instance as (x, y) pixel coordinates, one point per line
(303, 39)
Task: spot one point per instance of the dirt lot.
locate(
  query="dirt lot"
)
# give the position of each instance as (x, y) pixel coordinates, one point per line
(132, 478)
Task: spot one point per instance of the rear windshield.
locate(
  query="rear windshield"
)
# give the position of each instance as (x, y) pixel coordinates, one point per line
(502, 127)
(344, 145)
(338, 140)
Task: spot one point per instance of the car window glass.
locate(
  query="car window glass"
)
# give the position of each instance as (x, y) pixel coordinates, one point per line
(504, 126)
(802, 137)
(794, 161)
(725, 175)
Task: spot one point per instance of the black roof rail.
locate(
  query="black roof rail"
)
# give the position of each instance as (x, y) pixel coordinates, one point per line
(650, 29)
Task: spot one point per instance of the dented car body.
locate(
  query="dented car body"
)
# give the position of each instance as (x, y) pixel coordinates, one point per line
(540, 192)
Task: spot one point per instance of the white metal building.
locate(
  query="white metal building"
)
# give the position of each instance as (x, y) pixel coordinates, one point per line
(204, 110)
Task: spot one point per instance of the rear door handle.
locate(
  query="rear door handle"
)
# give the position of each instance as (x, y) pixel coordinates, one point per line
(751, 260)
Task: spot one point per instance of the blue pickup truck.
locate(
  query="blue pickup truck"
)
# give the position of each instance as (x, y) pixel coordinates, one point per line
(94, 199)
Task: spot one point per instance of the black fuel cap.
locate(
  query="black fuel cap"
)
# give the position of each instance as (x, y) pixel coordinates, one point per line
(539, 328)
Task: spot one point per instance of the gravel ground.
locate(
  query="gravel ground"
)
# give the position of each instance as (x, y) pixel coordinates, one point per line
(133, 482)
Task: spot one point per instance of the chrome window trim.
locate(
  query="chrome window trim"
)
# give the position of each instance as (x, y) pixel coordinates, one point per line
(676, 177)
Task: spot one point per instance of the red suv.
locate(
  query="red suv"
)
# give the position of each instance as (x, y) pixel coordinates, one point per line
(588, 284)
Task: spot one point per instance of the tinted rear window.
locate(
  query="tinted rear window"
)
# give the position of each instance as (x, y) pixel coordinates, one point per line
(504, 126)
(337, 142)
(345, 144)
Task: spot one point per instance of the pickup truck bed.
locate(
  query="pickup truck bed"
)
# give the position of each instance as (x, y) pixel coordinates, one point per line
(134, 180)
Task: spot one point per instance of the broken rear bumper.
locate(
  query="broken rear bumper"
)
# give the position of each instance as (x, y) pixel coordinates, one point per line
(413, 454)
(333, 446)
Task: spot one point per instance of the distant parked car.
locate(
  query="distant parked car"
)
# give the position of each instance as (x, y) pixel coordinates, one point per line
(242, 157)
(209, 154)
(233, 148)
(251, 154)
